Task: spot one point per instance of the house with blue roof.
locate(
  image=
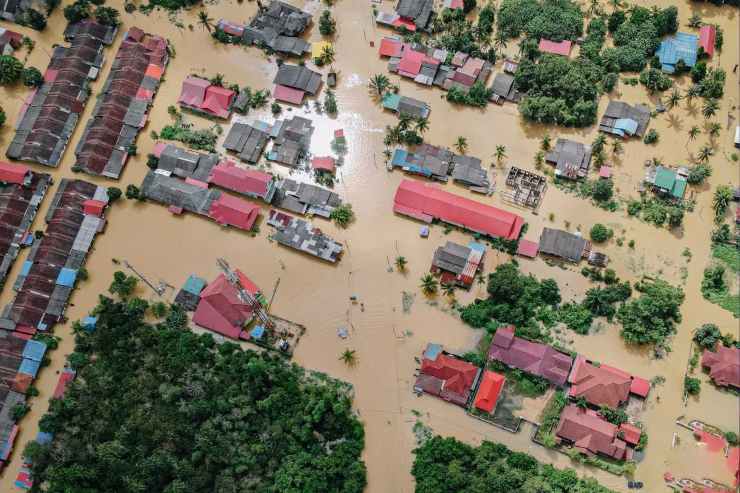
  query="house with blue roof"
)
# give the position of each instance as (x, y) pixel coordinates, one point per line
(681, 47)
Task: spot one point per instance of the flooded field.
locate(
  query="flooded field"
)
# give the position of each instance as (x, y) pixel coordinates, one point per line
(387, 340)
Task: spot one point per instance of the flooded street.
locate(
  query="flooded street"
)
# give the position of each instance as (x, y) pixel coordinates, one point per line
(316, 294)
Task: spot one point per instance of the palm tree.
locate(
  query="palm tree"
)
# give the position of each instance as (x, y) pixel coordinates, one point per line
(710, 108)
(598, 144)
(378, 84)
(401, 263)
(205, 21)
(499, 41)
(674, 99)
(327, 54)
(704, 154)
(693, 132)
(691, 93)
(500, 153)
(616, 147)
(429, 284)
(720, 202)
(349, 357)
(714, 130)
(461, 144)
(217, 80)
(404, 122)
(545, 144)
(421, 125)
(449, 290)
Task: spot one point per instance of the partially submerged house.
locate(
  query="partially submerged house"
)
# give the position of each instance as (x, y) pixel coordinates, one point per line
(683, 47)
(293, 82)
(707, 38)
(571, 159)
(503, 89)
(292, 141)
(247, 141)
(189, 295)
(429, 161)
(9, 41)
(305, 198)
(416, 13)
(561, 48)
(426, 203)
(300, 235)
(21, 193)
(249, 182)
(446, 376)
(324, 164)
(604, 385)
(723, 365)
(469, 171)
(489, 390)
(404, 105)
(184, 163)
(122, 108)
(221, 310)
(667, 182)
(201, 96)
(50, 113)
(532, 357)
(277, 28)
(458, 264)
(564, 245)
(525, 188)
(623, 120)
(591, 434)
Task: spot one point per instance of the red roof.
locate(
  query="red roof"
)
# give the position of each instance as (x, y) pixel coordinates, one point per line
(723, 365)
(489, 390)
(707, 37)
(426, 202)
(246, 181)
(410, 63)
(288, 94)
(528, 248)
(533, 357)
(639, 386)
(218, 101)
(447, 377)
(93, 207)
(407, 23)
(235, 212)
(325, 163)
(605, 172)
(193, 91)
(64, 379)
(13, 173)
(220, 308)
(591, 434)
(630, 433)
(561, 48)
(599, 385)
(390, 47)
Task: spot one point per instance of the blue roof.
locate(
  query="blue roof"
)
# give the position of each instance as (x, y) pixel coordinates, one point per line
(34, 350)
(399, 157)
(44, 437)
(194, 284)
(682, 46)
(424, 231)
(67, 277)
(432, 351)
(257, 332)
(391, 101)
(474, 245)
(26, 267)
(89, 323)
(419, 170)
(29, 367)
(625, 126)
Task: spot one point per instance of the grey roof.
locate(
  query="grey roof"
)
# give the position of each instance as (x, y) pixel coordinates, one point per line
(301, 235)
(562, 244)
(169, 190)
(305, 198)
(413, 107)
(618, 109)
(298, 77)
(468, 171)
(503, 86)
(292, 141)
(571, 159)
(290, 45)
(420, 11)
(452, 257)
(247, 141)
(283, 18)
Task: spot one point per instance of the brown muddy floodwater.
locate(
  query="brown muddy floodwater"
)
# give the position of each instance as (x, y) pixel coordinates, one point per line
(166, 247)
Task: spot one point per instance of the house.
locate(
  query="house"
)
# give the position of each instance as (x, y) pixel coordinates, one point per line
(292, 140)
(278, 27)
(489, 391)
(510, 66)
(247, 141)
(189, 296)
(426, 202)
(121, 109)
(419, 12)
(555, 48)
(629, 433)
(179, 195)
(293, 82)
(50, 113)
(302, 236)
(9, 41)
(428, 161)
(230, 28)
(527, 248)
(305, 198)
(723, 365)
(173, 160)
(244, 181)
(668, 182)
(604, 385)
(325, 164)
(533, 357)
(682, 47)
(222, 310)
(503, 89)
(571, 159)
(15, 174)
(199, 95)
(231, 211)
(707, 38)
(458, 264)
(623, 120)
(468, 171)
(563, 244)
(590, 434)
(391, 46)
(446, 376)
(403, 105)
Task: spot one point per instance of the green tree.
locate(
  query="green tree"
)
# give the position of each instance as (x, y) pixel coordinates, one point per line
(32, 77)
(122, 284)
(343, 215)
(599, 233)
(691, 385)
(710, 108)
(704, 154)
(651, 318)
(693, 132)
(721, 201)
(429, 284)
(349, 357)
(327, 24)
(714, 130)
(546, 142)
(674, 98)
(204, 21)
(77, 11)
(707, 336)
(500, 153)
(379, 84)
(114, 193)
(461, 144)
(421, 125)
(401, 263)
(107, 16)
(695, 21)
(133, 192)
(11, 70)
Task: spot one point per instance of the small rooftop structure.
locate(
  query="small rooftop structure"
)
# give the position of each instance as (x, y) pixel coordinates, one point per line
(555, 48)
(707, 38)
(404, 105)
(680, 47)
(189, 296)
(15, 174)
(629, 433)
(563, 244)
(9, 41)
(723, 365)
(426, 203)
(247, 141)
(590, 434)
(458, 264)
(623, 120)
(446, 376)
(489, 390)
(503, 89)
(200, 96)
(572, 159)
(418, 11)
(302, 236)
(668, 181)
(532, 357)
(221, 310)
(278, 27)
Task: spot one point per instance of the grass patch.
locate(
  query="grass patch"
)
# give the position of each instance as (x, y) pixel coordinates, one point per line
(524, 384)
(728, 254)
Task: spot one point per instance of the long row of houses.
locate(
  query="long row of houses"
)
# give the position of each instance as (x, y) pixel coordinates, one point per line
(440, 164)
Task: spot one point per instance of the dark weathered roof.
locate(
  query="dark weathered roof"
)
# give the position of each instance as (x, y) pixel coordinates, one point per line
(452, 257)
(571, 159)
(562, 244)
(619, 109)
(420, 11)
(247, 141)
(298, 77)
(169, 190)
(468, 171)
(413, 107)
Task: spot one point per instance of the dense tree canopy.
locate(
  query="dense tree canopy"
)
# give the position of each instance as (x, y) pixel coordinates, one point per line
(651, 318)
(552, 19)
(157, 408)
(444, 465)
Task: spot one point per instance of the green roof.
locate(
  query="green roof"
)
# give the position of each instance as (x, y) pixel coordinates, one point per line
(665, 178)
(679, 188)
(391, 101)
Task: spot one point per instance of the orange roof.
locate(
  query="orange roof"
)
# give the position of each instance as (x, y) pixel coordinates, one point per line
(154, 71)
(489, 390)
(599, 385)
(630, 433)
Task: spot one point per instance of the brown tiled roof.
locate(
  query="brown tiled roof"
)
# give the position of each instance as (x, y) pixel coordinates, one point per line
(591, 434)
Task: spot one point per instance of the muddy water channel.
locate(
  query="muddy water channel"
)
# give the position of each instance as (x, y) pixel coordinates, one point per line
(386, 338)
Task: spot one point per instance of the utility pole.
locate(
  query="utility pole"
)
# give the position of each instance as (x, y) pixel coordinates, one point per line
(159, 290)
(274, 291)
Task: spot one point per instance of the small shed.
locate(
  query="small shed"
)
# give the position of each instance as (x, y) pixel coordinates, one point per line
(324, 163)
(527, 248)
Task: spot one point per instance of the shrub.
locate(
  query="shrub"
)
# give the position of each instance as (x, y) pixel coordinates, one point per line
(707, 335)
(651, 137)
(600, 233)
(691, 385)
(114, 194)
(343, 215)
(11, 70)
(327, 24)
(32, 77)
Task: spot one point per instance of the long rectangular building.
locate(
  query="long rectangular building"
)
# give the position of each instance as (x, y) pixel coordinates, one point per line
(121, 109)
(426, 203)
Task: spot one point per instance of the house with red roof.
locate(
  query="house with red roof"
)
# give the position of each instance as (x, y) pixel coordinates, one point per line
(15, 174)
(603, 385)
(232, 211)
(489, 391)
(723, 365)
(590, 434)
(221, 310)
(245, 181)
(555, 48)
(391, 47)
(533, 357)
(707, 38)
(201, 96)
(9, 41)
(324, 163)
(426, 202)
(629, 433)
(446, 376)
